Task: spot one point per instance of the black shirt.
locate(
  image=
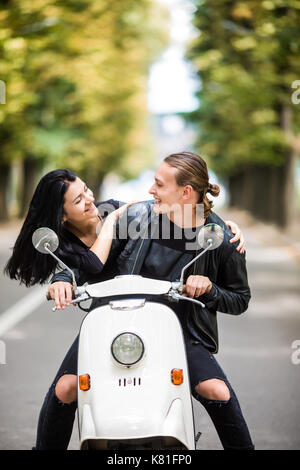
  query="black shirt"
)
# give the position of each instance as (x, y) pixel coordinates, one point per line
(174, 247)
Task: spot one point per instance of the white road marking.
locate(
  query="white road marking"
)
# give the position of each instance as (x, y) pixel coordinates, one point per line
(21, 309)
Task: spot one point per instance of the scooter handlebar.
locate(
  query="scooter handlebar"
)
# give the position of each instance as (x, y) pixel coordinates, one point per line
(79, 294)
(48, 296)
(79, 291)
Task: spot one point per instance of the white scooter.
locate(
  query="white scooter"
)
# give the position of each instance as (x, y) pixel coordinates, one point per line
(133, 381)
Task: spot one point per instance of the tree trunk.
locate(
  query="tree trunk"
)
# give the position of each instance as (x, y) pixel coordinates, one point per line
(288, 194)
(268, 193)
(248, 189)
(262, 200)
(94, 182)
(4, 184)
(234, 187)
(31, 171)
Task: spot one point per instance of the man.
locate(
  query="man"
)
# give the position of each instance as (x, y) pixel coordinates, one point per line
(218, 279)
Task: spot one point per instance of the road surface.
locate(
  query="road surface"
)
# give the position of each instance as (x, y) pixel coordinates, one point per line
(256, 349)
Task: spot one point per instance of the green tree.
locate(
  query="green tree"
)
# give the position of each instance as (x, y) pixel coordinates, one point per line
(247, 57)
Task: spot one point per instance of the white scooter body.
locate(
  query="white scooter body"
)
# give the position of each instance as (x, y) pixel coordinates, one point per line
(136, 405)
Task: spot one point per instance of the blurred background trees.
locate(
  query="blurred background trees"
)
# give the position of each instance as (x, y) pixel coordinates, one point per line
(247, 55)
(76, 76)
(76, 82)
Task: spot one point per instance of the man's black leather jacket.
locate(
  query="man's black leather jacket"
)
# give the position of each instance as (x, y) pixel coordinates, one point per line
(224, 266)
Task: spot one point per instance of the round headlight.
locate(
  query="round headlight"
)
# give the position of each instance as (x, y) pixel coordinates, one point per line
(127, 349)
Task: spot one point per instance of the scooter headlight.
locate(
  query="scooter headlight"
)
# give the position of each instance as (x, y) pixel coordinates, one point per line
(127, 349)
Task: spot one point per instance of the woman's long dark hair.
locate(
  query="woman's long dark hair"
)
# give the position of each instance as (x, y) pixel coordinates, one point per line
(46, 210)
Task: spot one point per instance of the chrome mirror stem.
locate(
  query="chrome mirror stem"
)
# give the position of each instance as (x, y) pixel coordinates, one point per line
(209, 242)
(62, 264)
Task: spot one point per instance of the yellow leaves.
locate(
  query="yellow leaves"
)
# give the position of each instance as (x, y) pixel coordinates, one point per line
(242, 10)
(16, 86)
(244, 44)
(76, 75)
(294, 4)
(272, 4)
(263, 116)
(14, 44)
(51, 11)
(209, 148)
(207, 60)
(5, 33)
(268, 5)
(2, 115)
(3, 15)
(245, 84)
(266, 29)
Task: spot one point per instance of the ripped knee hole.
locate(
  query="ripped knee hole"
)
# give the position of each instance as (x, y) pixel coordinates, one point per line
(213, 389)
(66, 388)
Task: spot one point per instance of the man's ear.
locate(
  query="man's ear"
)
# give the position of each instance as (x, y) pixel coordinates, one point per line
(187, 191)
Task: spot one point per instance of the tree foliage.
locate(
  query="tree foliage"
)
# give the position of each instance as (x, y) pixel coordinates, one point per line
(247, 55)
(76, 78)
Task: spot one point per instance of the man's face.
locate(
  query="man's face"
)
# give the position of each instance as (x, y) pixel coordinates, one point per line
(167, 194)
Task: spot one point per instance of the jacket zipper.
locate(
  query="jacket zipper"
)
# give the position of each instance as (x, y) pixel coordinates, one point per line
(138, 253)
(205, 332)
(195, 312)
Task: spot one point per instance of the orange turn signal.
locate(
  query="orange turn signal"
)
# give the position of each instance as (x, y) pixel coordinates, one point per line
(84, 382)
(177, 376)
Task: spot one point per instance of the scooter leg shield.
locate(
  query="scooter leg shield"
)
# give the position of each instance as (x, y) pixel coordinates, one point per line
(174, 425)
(88, 430)
(139, 401)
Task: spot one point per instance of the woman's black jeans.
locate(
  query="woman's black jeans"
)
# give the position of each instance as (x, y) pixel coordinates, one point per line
(56, 418)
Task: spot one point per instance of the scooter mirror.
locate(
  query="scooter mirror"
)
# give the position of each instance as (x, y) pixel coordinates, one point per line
(44, 240)
(210, 236)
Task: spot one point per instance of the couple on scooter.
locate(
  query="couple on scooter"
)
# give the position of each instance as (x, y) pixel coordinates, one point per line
(64, 203)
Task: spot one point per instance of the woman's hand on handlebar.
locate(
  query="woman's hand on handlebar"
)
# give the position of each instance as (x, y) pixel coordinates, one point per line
(61, 293)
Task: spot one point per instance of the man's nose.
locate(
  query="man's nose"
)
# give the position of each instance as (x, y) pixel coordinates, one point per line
(151, 190)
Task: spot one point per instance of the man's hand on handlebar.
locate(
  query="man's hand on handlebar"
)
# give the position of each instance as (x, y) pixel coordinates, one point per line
(61, 293)
(196, 286)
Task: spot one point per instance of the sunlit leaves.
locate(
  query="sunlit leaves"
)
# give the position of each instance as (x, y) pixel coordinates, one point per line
(76, 78)
(247, 55)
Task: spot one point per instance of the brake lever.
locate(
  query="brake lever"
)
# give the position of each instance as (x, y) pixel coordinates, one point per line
(82, 297)
(175, 296)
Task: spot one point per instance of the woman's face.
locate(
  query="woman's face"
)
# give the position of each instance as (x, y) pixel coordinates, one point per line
(79, 203)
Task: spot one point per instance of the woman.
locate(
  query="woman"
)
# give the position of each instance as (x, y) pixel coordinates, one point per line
(63, 203)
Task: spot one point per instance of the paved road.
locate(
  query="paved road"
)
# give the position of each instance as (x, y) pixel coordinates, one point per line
(255, 352)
